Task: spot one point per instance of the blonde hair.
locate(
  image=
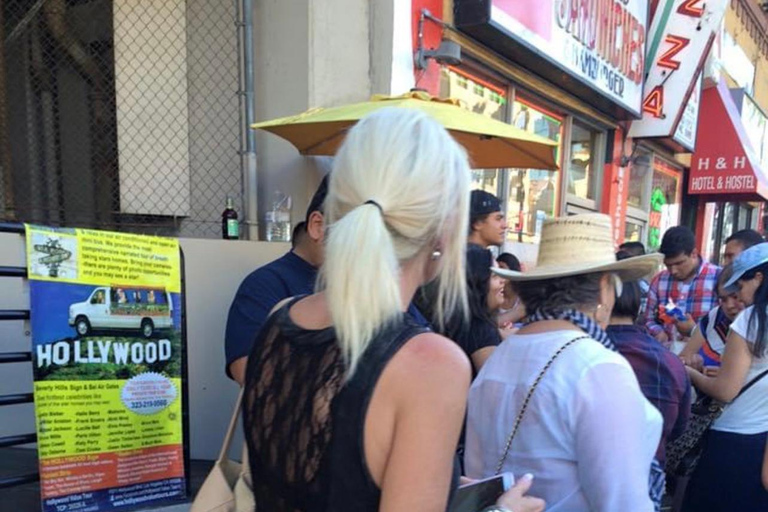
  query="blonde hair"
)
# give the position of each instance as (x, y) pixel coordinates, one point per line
(399, 187)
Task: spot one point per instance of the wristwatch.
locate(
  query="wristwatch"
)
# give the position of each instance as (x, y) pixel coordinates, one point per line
(496, 508)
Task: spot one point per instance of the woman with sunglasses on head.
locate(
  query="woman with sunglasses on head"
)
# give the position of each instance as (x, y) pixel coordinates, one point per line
(555, 399)
(727, 477)
(349, 404)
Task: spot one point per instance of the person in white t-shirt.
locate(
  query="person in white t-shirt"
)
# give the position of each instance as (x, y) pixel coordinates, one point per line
(588, 435)
(728, 475)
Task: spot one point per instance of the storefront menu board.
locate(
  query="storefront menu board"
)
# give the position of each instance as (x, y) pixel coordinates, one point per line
(107, 349)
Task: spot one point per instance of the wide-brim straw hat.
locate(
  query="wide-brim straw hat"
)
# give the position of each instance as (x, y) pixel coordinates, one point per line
(582, 244)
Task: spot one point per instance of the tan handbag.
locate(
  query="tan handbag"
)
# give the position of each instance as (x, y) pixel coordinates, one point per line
(227, 488)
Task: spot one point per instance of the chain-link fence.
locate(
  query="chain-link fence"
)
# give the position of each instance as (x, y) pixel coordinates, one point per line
(120, 114)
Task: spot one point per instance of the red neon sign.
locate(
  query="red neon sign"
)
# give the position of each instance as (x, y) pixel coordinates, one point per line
(654, 102)
(690, 8)
(667, 60)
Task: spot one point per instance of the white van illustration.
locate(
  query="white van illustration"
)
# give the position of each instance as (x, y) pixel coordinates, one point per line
(133, 308)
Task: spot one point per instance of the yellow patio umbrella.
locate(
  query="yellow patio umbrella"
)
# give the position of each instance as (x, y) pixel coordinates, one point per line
(489, 143)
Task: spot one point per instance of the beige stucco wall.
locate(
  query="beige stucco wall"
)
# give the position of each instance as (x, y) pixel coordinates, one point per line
(320, 54)
(741, 35)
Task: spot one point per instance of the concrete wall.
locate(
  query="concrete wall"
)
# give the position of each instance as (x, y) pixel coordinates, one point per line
(214, 270)
(319, 54)
(152, 106)
(214, 113)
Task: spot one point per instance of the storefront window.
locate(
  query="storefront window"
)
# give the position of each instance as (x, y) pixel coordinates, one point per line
(483, 96)
(728, 216)
(665, 203)
(639, 171)
(633, 231)
(583, 167)
(532, 192)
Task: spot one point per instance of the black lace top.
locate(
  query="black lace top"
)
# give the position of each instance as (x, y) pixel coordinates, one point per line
(304, 422)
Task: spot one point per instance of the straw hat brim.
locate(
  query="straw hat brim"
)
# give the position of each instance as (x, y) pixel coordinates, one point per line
(630, 269)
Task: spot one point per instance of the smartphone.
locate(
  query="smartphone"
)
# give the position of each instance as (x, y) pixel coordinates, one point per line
(483, 493)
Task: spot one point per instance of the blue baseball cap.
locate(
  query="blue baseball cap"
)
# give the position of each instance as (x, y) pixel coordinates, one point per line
(746, 261)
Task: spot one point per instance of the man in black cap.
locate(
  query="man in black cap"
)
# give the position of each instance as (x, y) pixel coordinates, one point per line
(292, 274)
(487, 223)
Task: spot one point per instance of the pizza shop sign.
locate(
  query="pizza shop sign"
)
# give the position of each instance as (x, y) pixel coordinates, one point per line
(602, 42)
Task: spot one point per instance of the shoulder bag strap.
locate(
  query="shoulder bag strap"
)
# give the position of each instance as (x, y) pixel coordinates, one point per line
(524, 407)
(751, 383)
(231, 428)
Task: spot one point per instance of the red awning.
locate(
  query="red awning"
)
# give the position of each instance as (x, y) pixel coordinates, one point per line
(724, 165)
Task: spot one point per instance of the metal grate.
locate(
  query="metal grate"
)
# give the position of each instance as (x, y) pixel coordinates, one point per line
(120, 114)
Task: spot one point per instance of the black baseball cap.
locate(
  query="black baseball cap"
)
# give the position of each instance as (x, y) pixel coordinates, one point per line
(482, 203)
(316, 205)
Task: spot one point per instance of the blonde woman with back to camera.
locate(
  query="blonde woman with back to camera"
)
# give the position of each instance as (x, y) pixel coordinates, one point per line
(349, 405)
(555, 399)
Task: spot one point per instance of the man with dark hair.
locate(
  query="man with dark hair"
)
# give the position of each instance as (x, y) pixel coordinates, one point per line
(487, 223)
(298, 234)
(633, 249)
(292, 274)
(739, 242)
(689, 282)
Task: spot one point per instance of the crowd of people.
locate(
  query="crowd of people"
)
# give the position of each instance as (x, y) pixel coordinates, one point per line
(390, 357)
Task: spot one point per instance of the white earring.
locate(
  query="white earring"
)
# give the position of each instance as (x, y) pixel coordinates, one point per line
(436, 255)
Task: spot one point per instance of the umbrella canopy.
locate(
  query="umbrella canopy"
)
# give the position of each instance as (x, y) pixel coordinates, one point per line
(488, 142)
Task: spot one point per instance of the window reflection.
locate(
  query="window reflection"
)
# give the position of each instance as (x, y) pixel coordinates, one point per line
(481, 96)
(532, 192)
(582, 169)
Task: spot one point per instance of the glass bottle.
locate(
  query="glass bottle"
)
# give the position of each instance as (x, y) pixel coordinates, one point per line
(230, 227)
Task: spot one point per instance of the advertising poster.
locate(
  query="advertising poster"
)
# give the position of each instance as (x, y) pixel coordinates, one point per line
(107, 349)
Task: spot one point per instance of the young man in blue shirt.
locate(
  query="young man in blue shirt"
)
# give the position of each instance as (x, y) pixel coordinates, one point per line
(292, 274)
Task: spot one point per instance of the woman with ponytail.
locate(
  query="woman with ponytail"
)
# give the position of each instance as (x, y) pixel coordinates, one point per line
(349, 404)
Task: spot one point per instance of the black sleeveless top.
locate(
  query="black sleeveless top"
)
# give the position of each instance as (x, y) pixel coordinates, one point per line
(304, 422)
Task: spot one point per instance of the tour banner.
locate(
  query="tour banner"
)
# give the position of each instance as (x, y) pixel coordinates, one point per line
(107, 348)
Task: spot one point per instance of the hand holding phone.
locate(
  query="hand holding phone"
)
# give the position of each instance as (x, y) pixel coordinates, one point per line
(515, 498)
(477, 495)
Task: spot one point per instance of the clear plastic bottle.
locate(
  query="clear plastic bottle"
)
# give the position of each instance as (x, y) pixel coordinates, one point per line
(278, 219)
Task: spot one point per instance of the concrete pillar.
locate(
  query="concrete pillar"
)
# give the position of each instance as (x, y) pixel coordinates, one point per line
(320, 54)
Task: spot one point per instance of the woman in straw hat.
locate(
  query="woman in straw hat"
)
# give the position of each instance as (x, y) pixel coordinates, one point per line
(727, 477)
(349, 404)
(556, 399)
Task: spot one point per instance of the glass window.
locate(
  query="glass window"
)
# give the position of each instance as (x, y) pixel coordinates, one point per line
(583, 167)
(665, 208)
(633, 231)
(745, 216)
(639, 171)
(728, 220)
(532, 192)
(483, 96)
